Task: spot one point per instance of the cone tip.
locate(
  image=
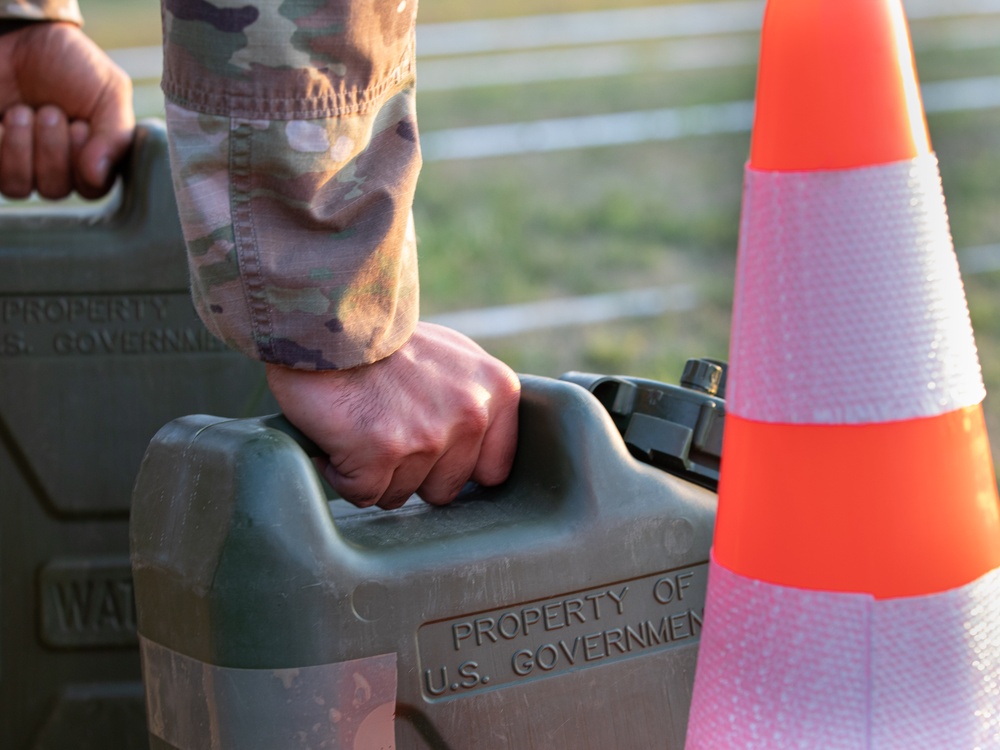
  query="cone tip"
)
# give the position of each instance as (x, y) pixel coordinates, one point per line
(837, 87)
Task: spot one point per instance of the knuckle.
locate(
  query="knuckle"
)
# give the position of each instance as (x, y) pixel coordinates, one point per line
(15, 187)
(361, 498)
(360, 489)
(419, 438)
(509, 388)
(445, 491)
(492, 475)
(476, 417)
(495, 465)
(391, 449)
(55, 191)
(393, 500)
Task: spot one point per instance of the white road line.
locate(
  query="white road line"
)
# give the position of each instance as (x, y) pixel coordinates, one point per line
(521, 68)
(979, 259)
(633, 24)
(656, 125)
(961, 95)
(506, 69)
(621, 128)
(141, 63)
(512, 320)
(596, 28)
(586, 132)
(921, 9)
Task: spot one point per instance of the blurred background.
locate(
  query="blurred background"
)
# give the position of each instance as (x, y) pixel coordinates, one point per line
(579, 203)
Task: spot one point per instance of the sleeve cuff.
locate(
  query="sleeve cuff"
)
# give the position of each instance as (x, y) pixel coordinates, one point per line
(40, 10)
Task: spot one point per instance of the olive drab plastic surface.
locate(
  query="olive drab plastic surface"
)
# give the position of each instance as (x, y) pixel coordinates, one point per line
(560, 610)
(99, 347)
(677, 428)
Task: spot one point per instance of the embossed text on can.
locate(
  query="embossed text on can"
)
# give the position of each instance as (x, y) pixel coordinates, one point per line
(568, 632)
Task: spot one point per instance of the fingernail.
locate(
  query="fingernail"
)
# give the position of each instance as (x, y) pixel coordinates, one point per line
(20, 116)
(78, 134)
(102, 167)
(49, 118)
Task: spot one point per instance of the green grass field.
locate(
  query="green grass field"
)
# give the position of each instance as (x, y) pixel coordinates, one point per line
(538, 226)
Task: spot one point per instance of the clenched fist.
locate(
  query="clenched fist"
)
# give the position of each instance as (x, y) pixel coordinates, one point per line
(435, 414)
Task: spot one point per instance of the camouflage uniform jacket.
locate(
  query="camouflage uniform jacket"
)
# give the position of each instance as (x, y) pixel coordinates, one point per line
(294, 149)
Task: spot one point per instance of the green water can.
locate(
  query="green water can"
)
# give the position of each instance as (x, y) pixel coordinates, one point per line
(560, 610)
(99, 347)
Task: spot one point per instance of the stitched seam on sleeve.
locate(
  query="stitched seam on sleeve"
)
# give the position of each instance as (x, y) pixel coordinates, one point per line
(245, 235)
(277, 106)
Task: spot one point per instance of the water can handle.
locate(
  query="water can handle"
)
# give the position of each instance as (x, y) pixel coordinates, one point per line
(115, 246)
(280, 423)
(240, 478)
(148, 148)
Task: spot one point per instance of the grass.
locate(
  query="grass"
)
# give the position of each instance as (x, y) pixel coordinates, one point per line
(563, 225)
(572, 223)
(122, 23)
(131, 23)
(968, 145)
(650, 90)
(433, 11)
(525, 228)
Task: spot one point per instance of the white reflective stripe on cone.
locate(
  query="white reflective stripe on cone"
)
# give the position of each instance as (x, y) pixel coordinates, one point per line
(782, 668)
(849, 307)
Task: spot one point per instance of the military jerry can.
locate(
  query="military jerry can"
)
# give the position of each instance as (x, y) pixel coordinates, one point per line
(99, 347)
(560, 610)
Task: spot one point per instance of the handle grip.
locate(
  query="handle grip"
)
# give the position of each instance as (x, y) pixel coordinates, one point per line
(124, 246)
(280, 423)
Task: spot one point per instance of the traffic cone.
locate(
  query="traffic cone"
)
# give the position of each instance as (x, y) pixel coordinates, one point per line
(854, 594)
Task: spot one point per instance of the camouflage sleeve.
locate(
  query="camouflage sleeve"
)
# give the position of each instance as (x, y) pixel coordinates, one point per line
(40, 10)
(295, 157)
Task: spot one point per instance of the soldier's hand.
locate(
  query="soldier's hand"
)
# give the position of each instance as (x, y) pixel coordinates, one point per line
(67, 113)
(438, 412)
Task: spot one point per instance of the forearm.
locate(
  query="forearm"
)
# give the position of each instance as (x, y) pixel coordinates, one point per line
(295, 160)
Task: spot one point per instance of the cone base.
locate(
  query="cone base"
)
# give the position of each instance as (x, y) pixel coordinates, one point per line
(894, 509)
(783, 669)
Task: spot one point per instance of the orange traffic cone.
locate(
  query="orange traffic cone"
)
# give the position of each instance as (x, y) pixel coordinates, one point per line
(854, 596)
